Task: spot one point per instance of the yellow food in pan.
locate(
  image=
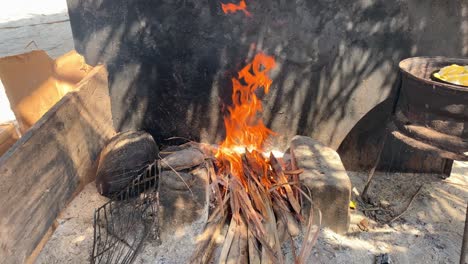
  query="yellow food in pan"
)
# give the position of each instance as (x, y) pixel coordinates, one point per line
(454, 74)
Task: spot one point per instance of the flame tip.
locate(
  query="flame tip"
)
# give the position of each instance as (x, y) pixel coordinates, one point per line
(245, 131)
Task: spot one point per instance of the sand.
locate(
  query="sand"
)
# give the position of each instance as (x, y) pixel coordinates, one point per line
(430, 231)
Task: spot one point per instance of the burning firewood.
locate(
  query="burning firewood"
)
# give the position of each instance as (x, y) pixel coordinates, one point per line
(254, 194)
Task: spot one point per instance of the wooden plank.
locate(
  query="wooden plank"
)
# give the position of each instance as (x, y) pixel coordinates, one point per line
(44, 169)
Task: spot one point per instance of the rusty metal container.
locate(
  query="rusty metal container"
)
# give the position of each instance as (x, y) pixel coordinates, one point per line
(430, 115)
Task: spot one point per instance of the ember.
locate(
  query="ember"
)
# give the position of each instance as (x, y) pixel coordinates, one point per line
(232, 8)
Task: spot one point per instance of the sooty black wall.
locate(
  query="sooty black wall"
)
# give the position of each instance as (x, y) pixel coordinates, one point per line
(171, 61)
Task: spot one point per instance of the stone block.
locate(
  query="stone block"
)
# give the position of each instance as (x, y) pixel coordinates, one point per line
(183, 212)
(327, 180)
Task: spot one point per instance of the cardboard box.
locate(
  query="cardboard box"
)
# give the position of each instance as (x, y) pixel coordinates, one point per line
(34, 82)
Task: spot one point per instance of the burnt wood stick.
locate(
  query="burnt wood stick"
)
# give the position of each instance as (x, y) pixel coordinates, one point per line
(291, 224)
(252, 163)
(228, 242)
(250, 212)
(284, 180)
(238, 251)
(255, 196)
(310, 238)
(214, 183)
(272, 238)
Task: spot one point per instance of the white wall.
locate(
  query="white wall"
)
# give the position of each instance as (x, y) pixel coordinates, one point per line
(11, 10)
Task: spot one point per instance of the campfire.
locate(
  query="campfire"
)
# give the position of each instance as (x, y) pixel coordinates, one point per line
(258, 194)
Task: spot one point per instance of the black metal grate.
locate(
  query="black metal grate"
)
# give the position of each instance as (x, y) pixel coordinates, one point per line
(122, 224)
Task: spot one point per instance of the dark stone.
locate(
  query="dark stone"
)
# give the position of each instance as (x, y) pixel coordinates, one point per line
(184, 200)
(123, 159)
(171, 61)
(183, 159)
(383, 259)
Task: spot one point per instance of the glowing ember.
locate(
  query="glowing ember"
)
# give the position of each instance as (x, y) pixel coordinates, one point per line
(232, 8)
(244, 127)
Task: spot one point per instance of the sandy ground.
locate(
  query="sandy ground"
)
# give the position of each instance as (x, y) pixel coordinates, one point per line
(26, 25)
(430, 231)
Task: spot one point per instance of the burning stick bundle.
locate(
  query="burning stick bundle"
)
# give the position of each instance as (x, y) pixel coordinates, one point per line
(260, 195)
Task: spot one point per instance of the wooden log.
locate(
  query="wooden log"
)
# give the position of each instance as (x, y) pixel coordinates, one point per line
(50, 163)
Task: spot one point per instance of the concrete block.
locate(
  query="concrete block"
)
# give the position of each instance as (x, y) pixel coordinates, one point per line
(327, 180)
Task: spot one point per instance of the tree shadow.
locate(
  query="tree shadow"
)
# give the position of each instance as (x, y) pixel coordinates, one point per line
(170, 62)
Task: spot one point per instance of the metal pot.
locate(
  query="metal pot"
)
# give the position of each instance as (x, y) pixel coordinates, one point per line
(430, 115)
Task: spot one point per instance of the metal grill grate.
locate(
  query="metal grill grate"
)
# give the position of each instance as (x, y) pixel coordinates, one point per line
(122, 224)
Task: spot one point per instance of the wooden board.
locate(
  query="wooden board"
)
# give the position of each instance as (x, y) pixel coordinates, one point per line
(50, 163)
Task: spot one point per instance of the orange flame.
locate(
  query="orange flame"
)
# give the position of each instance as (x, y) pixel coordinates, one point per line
(244, 128)
(232, 8)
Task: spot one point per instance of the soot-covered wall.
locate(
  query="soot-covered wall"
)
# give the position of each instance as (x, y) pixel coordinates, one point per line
(170, 62)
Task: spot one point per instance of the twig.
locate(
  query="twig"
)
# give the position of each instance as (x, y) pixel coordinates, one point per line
(370, 209)
(372, 171)
(374, 209)
(178, 175)
(172, 138)
(407, 206)
(293, 172)
(303, 193)
(31, 42)
(310, 238)
(275, 186)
